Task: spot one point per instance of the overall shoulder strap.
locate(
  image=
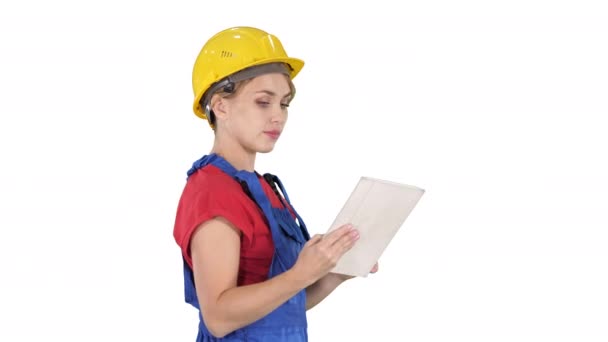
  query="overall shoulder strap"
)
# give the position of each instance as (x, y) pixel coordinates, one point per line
(273, 181)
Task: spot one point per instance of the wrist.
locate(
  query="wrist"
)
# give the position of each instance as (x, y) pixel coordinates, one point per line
(339, 278)
(296, 280)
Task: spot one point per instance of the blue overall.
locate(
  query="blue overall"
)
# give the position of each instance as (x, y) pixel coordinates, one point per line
(286, 323)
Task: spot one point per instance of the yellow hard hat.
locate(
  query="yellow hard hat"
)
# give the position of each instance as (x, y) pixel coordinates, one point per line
(233, 50)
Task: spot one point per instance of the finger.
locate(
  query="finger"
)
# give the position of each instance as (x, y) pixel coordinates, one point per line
(335, 235)
(346, 242)
(314, 239)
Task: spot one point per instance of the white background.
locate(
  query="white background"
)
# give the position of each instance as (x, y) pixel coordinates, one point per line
(496, 108)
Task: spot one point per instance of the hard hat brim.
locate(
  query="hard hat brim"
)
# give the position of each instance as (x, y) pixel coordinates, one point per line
(295, 65)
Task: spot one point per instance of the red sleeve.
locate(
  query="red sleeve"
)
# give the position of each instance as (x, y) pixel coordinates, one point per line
(202, 200)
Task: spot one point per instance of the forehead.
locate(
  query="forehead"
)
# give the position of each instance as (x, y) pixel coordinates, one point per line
(274, 82)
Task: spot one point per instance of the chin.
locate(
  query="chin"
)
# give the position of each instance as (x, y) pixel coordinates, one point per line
(266, 149)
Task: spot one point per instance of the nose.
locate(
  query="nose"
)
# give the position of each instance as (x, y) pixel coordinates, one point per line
(279, 114)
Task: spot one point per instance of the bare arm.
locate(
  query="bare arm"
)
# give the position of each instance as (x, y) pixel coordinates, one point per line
(318, 291)
(225, 307)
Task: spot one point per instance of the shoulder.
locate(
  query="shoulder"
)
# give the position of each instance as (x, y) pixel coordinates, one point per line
(211, 179)
(213, 185)
(210, 193)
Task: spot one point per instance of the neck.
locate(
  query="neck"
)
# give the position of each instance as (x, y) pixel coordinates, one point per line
(236, 155)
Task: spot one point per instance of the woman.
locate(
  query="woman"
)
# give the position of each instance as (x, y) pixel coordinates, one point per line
(250, 266)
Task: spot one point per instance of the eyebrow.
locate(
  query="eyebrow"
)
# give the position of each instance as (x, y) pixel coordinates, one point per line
(272, 93)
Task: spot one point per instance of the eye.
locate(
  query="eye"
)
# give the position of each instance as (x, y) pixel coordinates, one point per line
(263, 103)
(284, 105)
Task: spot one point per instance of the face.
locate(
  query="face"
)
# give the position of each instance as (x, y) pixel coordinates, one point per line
(256, 115)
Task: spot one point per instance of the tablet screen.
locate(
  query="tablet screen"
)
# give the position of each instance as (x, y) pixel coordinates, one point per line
(377, 208)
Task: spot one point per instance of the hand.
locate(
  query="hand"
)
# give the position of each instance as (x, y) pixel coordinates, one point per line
(322, 252)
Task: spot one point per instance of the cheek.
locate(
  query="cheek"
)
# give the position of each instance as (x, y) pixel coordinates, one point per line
(252, 118)
(248, 123)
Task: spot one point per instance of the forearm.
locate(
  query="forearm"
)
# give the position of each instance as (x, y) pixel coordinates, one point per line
(240, 306)
(316, 292)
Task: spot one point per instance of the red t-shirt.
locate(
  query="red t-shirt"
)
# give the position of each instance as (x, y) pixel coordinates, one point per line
(209, 193)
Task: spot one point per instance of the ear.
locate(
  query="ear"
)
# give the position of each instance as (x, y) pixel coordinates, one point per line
(219, 106)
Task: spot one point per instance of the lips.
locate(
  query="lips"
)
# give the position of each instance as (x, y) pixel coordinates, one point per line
(273, 134)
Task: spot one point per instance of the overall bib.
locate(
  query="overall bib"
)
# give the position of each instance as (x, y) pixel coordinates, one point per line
(286, 323)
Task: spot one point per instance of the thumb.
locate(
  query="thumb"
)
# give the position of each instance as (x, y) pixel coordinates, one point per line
(314, 239)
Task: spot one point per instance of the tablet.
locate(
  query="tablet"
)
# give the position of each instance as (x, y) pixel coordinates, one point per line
(377, 208)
